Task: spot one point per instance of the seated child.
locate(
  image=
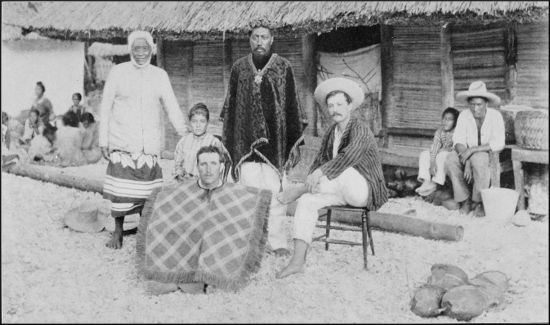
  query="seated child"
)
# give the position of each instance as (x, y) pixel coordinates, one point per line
(185, 155)
(90, 138)
(68, 142)
(431, 162)
(33, 125)
(76, 107)
(41, 147)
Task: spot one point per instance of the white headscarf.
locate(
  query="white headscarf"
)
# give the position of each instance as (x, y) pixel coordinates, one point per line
(148, 38)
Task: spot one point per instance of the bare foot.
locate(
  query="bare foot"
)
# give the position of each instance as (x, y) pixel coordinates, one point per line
(116, 241)
(290, 269)
(291, 194)
(466, 207)
(156, 288)
(479, 211)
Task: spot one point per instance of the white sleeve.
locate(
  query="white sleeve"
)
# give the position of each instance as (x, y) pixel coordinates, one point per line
(106, 106)
(459, 134)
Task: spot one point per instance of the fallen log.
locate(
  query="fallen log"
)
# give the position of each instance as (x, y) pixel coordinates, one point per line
(405, 225)
(56, 176)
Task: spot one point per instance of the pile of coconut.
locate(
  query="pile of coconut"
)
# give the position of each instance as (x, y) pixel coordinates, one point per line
(449, 291)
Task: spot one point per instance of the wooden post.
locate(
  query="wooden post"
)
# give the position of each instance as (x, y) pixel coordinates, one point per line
(227, 63)
(447, 78)
(310, 81)
(386, 58)
(511, 52)
(189, 55)
(160, 53)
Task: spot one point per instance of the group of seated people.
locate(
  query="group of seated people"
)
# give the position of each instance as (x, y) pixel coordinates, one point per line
(42, 139)
(460, 150)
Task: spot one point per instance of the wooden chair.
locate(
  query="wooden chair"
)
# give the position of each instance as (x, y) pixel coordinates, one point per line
(365, 229)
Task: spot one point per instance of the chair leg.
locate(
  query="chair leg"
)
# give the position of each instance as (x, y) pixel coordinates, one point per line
(365, 237)
(371, 241)
(327, 229)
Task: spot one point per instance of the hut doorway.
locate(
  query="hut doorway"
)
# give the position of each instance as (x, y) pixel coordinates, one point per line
(353, 53)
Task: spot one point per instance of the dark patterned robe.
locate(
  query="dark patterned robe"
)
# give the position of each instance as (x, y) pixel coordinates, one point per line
(270, 110)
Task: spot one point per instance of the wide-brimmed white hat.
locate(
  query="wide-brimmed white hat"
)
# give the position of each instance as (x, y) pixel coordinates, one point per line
(88, 216)
(350, 87)
(478, 89)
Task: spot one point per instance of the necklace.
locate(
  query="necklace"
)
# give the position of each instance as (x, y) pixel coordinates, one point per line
(259, 73)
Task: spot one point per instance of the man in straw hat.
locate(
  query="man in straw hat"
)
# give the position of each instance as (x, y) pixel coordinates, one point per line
(347, 169)
(262, 102)
(130, 130)
(479, 130)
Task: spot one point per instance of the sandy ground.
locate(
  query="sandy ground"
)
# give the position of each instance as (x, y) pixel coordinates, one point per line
(53, 274)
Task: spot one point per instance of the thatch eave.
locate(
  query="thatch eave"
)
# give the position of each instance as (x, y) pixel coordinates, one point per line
(308, 25)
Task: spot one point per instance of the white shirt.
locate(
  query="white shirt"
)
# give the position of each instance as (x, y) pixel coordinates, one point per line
(492, 130)
(131, 109)
(337, 140)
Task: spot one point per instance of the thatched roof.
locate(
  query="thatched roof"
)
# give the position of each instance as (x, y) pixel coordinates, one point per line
(105, 20)
(16, 11)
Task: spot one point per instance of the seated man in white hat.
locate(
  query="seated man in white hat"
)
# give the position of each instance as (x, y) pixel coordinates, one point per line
(346, 171)
(479, 131)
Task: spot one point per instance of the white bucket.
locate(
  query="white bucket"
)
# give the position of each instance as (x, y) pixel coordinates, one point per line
(499, 202)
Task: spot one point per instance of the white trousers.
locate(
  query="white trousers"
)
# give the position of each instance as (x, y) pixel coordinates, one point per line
(263, 176)
(424, 167)
(348, 188)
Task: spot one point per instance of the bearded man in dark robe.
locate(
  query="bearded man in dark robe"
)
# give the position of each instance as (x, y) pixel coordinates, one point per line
(262, 102)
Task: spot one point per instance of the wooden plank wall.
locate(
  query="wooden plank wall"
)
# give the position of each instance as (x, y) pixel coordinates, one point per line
(417, 86)
(479, 53)
(532, 65)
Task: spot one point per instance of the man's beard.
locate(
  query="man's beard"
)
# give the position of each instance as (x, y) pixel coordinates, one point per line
(260, 59)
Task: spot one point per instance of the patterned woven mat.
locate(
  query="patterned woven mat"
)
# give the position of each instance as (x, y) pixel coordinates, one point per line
(188, 234)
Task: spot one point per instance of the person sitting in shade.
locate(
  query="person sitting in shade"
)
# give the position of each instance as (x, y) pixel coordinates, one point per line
(479, 131)
(77, 107)
(33, 126)
(41, 149)
(69, 141)
(185, 165)
(90, 138)
(431, 163)
(346, 171)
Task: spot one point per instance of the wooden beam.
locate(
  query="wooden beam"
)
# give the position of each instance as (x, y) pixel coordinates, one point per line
(397, 223)
(411, 131)
(386, 58)
(57, 176)
(447, 78)
(310, 82)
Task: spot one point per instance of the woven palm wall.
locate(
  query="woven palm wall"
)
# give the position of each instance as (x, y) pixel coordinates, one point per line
(479, 54)
(207, 80)
(532, 66)
(417, 78)
(177, 64)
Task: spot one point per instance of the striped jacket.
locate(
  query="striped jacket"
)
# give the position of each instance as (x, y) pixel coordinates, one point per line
(357, 149)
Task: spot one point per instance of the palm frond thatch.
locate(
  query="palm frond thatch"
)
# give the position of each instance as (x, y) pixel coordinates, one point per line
(115, 19)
